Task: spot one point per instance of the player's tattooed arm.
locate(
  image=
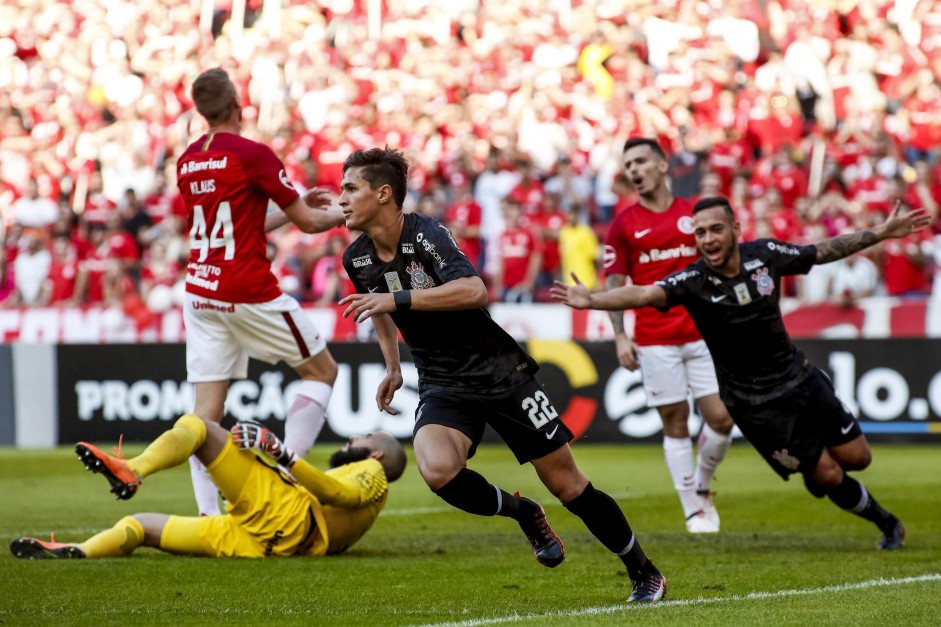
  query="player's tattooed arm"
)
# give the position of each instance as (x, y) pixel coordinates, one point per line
(617, 317)
(843, 246)
(898, 223)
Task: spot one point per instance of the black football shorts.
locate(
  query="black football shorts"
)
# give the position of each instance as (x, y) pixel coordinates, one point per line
(792, 430)
(523, 417)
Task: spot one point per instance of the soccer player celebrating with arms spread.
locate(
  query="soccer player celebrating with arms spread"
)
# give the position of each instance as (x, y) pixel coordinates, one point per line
(271, 514)
(785, 406)
(410, 275)
(234, 307)
(647, 241)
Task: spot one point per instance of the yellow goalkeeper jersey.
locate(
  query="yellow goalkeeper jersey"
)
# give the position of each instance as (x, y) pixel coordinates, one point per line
(346, 502)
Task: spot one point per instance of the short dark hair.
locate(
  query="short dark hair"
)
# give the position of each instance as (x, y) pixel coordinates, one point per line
(213, 92)
(714, 201)
(634, 142)
(382, 166)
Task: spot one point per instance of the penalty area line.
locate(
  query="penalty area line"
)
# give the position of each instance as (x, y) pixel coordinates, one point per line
(632, 607)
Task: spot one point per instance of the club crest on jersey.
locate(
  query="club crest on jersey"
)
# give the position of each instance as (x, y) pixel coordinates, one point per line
(685, 225)
(283, 177)
(420, 279)
(393, 282)
(763, 281)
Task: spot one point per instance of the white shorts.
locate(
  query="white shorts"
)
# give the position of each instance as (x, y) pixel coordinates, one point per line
(220, 336)
(670, 373)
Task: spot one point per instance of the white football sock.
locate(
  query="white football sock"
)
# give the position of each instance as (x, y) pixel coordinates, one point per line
(712, 447)
(679, 455)
(306, 416)
(206, 492)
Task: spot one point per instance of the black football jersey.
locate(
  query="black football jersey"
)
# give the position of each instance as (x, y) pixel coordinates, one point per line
(463, 349)
(740, 319)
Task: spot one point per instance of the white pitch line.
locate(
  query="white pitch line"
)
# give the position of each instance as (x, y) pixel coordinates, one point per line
(752, 596)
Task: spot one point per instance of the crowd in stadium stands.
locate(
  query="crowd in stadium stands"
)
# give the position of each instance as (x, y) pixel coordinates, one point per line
(813, 117)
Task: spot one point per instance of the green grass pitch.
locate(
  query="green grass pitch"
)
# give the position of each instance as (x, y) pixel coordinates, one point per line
(783, 558)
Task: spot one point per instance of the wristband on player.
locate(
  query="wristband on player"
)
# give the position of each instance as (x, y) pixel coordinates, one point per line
(403, 300)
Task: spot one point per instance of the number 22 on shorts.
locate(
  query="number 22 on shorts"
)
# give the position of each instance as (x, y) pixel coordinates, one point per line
(540, 409)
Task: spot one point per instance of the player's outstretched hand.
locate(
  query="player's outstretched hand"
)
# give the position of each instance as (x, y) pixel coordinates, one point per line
(365, 306)
(899, 224)
(253, 436)
(576, 296)
(319, 198)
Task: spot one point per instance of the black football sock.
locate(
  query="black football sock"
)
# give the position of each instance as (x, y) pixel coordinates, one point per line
(606, 521)
(469, 491)
(852, 496)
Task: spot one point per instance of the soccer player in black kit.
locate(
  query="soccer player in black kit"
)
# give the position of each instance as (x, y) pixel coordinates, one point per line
(410, 275)
(784, 406)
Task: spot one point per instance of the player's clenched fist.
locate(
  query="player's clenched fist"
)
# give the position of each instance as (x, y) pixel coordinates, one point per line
(253, 436)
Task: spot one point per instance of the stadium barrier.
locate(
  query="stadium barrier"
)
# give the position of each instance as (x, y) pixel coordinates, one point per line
(58, 394)
(876, 317)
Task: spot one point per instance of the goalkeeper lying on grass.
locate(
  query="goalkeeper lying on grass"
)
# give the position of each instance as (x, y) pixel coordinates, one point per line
(270, 512)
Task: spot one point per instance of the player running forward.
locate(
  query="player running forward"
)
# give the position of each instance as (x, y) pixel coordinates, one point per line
(785, 406)
(234, 308)
(269, 514)
(411, 276)
(647, 241)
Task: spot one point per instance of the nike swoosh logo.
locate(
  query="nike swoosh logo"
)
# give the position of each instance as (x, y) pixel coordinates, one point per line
(846, 429)
(716, 299)
(640, 234)
(550, 435)
(372, 289)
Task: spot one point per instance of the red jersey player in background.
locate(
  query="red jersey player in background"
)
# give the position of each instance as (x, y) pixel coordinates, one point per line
(234, 307)
(646, 242)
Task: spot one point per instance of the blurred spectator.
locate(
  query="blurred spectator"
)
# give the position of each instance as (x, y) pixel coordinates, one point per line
(492, 186)
(854, 277)
(330, 282)
(63, 271)
(548, 224)
(905, 265)
(687, 163)
(780, 172)
(137, 221)
(429, 206)
(578, 248)
(529, 191)
(816, 286)
(463, 217)
(113, 256)
(288, 281)
(519, 257)
(924, 192)
(31, 269)
(162, 277)
(729, 157)
(568, 186)
(32, 210)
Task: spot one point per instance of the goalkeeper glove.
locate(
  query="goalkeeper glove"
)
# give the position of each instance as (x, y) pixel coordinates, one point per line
(253, 436)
